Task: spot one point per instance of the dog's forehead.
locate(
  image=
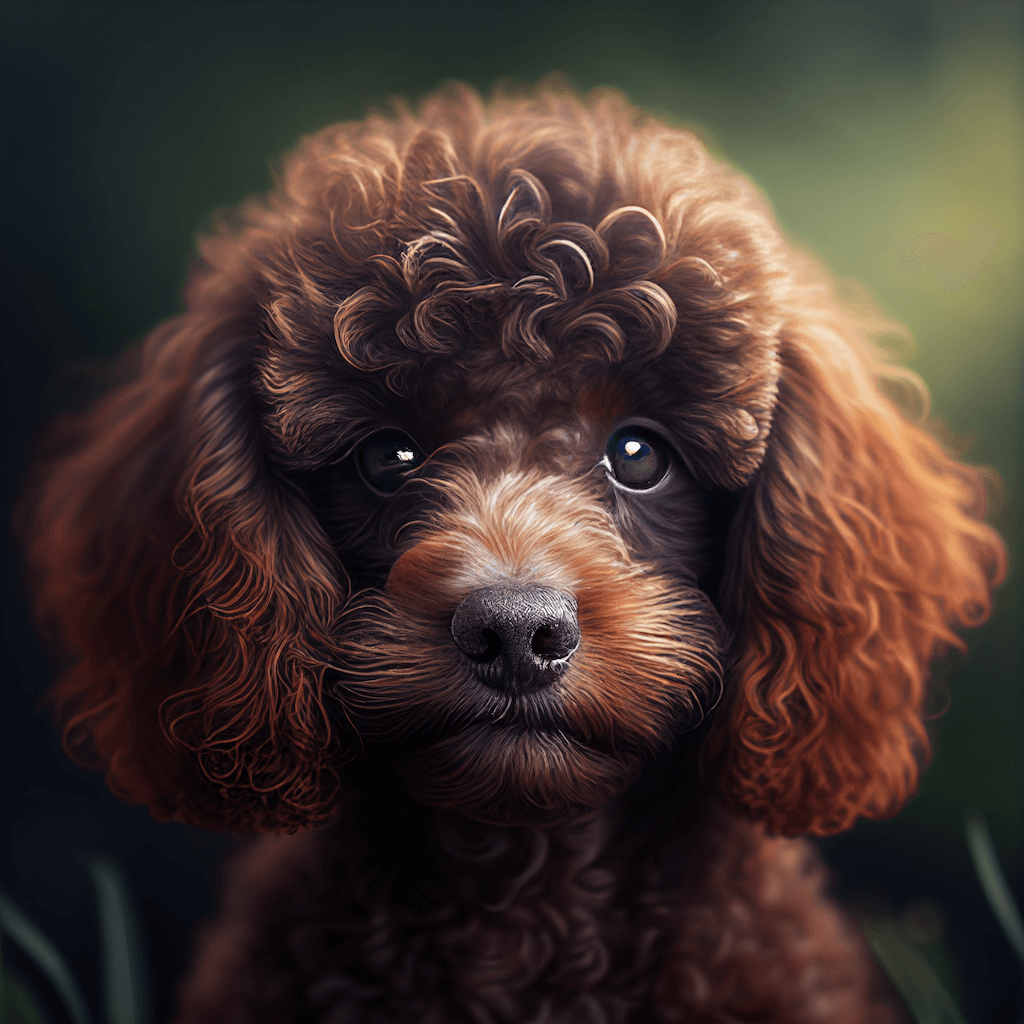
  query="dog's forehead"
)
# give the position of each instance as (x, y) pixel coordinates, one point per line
(545, 412)
(574, 405)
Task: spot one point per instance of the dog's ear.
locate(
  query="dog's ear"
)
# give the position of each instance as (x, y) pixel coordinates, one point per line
(192, 592)
(854, 556)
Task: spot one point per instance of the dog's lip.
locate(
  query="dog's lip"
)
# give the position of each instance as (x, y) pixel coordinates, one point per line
(538, 716)
(544, 734)
(538, 731)
(537, 712)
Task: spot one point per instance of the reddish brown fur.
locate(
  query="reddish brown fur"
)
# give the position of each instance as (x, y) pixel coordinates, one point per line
(253, 639)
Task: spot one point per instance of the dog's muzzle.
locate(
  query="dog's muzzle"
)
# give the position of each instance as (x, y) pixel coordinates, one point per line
(518, 638)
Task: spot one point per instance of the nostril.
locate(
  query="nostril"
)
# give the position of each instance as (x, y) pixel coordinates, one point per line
(543, 643)
(491, 645)
(479, 642)
(553, 643)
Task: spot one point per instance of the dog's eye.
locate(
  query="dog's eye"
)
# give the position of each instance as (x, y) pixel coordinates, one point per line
(386, 458)
(637, 458)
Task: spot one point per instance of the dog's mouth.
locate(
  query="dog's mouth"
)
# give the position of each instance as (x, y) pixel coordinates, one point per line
(532, 712)
(517, 776)
(504, 759)
(456, 703)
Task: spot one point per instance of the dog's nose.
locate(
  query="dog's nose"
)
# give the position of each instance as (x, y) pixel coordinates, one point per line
(520, 638)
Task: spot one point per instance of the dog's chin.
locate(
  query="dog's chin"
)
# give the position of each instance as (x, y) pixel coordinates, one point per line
(516, 776)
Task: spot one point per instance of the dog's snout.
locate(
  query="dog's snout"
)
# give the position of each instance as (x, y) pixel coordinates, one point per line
(519, 637)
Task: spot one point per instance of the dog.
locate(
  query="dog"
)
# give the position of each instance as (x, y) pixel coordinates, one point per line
(518, 531)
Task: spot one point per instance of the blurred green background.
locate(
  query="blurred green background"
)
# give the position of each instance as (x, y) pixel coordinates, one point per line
(890, 140)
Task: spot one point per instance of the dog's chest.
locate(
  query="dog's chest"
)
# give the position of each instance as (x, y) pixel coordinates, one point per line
(531, 929)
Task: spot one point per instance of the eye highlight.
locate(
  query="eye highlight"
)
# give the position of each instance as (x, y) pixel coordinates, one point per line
(637, 458)
(385, 459)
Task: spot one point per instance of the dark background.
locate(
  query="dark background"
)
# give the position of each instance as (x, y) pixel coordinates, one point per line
(125, 126)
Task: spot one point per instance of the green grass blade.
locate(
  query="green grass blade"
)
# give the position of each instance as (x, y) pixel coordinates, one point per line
(124, 980)
(20, 1007)
(38, 948)
(993, 882)
(924, 994)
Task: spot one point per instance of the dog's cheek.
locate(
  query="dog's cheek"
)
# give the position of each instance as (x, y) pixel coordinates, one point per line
(669, 530)
(395, 671)
(649, 664)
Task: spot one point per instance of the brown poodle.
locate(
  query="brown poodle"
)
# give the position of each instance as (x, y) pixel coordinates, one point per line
(514, 524)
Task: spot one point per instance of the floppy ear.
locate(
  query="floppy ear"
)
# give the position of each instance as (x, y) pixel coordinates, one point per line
(194, 595)
(854, 556)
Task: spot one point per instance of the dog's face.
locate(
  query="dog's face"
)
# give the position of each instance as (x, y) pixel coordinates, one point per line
(513, 495)
(529, 626)
(438, 463)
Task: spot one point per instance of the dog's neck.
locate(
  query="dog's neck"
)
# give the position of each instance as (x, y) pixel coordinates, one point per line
(587, 904)
(648, 831)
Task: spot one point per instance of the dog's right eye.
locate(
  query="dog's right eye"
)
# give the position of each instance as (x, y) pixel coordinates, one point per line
(386, 458)
(637, 458)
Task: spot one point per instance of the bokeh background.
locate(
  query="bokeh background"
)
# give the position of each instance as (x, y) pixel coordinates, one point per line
(889, 138)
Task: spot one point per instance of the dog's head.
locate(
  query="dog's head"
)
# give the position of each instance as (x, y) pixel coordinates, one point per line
(513, 441)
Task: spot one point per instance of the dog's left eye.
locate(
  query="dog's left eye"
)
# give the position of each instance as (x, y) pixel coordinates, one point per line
(386, 458)
(637, 458)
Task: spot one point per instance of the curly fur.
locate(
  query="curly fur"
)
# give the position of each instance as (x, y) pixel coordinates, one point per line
(256, 641)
